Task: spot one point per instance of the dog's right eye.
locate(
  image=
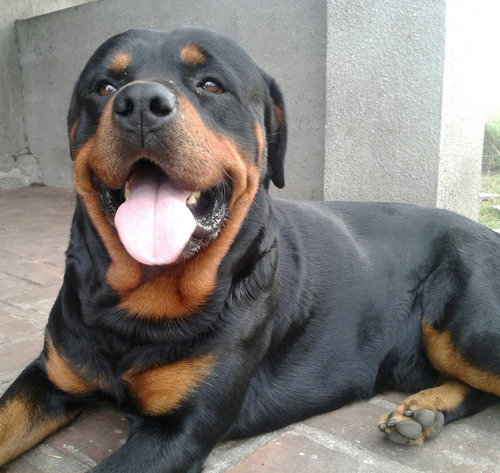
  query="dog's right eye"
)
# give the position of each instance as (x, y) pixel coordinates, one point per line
(105, 88)
(212, 87)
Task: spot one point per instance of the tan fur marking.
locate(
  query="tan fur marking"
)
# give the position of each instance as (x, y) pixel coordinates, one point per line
(101, 155)
(201, 158)
(192, 55)
(73, 129)
(21, 428)
(61, 374)
(184, 287)
(446, 397)
(120, 61)
(278, 113)
(446, 358)
(162, 389)
(260, 141)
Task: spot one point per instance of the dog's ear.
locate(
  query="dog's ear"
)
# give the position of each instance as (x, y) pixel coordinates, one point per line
(72, 122)
(275, 123)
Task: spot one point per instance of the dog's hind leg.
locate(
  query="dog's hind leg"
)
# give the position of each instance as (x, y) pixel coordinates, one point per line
(466, 390)
(30, 410)
(453, 360)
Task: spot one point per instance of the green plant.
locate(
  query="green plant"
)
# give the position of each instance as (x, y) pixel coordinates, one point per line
(489, 214)
(491, 148)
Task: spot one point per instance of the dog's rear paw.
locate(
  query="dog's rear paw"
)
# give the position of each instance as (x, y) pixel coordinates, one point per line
(406, 426)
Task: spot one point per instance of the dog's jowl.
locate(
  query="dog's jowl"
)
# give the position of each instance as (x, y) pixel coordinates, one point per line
(208, 310)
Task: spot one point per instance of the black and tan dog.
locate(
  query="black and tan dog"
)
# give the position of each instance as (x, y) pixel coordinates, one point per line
(208, 310)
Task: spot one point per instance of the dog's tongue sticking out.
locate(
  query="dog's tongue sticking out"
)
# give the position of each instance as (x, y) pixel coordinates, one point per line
(154, 223)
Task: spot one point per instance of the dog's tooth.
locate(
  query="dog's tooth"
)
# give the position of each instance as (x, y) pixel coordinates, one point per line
(193, 198)
(126, 191)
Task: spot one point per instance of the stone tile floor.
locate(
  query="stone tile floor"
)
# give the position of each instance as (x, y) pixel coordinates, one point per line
(34, 224)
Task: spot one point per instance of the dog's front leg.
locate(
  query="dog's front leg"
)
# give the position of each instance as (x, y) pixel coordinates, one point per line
(31, 409)
(180, 440)
(168, 444)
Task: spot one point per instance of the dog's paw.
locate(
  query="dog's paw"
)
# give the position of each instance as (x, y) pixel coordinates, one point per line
(407, 426)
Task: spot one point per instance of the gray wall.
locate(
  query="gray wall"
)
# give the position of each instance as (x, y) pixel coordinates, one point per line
(18, 167)
(375, 107)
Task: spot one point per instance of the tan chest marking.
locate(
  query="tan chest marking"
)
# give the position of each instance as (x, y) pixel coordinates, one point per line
(63, 375)
(162, 389)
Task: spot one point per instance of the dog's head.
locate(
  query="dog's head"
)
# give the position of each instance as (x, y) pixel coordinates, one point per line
(171, 135)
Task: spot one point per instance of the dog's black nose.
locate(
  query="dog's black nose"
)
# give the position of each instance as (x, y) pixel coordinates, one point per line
(144, 107)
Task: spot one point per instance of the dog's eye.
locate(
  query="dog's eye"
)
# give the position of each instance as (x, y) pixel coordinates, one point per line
(212, 87)
(105, 88)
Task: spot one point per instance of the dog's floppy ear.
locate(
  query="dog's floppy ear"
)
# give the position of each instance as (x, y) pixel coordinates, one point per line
(275, 123)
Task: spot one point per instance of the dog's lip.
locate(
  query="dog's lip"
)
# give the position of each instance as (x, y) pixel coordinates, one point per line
(219, 191)
(209, 206)
(191, 200)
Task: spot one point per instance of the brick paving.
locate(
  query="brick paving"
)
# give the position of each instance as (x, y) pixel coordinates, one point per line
(34, 224)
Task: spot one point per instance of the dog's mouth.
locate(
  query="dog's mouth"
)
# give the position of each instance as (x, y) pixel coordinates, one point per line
(158, 221)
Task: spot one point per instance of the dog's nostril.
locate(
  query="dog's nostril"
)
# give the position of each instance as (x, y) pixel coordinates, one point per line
(161, 106)
(124, 106)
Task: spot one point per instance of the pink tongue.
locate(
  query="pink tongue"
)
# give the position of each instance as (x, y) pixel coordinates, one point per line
(154, 224)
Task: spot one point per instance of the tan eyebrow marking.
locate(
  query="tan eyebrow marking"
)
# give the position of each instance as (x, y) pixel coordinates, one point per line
(120, 61)
(192, 54)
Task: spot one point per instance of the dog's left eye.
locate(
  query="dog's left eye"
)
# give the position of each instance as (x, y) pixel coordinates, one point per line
(212, 87)
(105, 88)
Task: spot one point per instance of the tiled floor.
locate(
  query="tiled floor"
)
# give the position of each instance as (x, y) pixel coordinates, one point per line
(34, 225)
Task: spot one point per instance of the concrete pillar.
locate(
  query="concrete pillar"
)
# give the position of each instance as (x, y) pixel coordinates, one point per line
(463, 107)
(401, 124)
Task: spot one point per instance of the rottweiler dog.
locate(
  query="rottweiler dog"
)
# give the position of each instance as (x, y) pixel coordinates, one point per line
(208, 310)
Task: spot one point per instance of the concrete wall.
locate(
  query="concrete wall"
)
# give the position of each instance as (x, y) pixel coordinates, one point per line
(376, 109)
(18, 167)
